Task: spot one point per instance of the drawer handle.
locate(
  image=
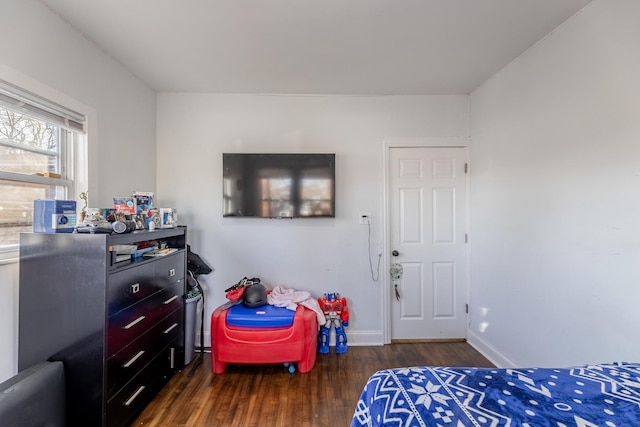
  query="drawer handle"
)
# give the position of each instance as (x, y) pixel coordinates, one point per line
(135, 288)
(170, 328)
(133, 359)
(172, 272)
(134, 395)
(138, 320)
(173, 298)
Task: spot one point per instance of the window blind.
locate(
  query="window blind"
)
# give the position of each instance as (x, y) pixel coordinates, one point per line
(15, 98)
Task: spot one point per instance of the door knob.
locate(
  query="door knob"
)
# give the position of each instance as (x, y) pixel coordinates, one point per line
(395, 253)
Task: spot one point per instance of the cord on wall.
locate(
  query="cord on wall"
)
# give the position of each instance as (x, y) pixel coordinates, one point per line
(375, 277)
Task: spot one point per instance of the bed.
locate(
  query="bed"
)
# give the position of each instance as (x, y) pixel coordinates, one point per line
(606, 395)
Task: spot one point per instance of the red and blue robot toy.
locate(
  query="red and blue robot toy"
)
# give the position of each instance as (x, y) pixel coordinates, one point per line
(336, 312)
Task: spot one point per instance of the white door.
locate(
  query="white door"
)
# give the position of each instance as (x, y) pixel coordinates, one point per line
(428, 217)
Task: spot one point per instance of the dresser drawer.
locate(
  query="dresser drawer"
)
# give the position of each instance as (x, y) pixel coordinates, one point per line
(135, 356)
(170, 269)
(170, 299)
(131, 323)
(130, 286)
(123, 406)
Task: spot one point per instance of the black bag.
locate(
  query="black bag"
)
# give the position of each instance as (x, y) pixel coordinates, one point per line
(195, 264)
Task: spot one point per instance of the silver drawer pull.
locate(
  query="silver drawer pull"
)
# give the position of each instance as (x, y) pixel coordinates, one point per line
(170, 328)
(173, 298)
(138, 320)
(133, 359)
(134, 395)
(135, 288)
(172, 272)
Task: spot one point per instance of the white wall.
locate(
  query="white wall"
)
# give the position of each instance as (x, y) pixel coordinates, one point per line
(123, 131)
(555, 197)
(317, 255)
(554, 180)
(44, 54)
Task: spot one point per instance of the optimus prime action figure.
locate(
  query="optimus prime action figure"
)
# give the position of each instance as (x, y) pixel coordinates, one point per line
(336, 312)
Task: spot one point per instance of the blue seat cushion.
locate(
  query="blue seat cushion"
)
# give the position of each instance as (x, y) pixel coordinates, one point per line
(267, 316)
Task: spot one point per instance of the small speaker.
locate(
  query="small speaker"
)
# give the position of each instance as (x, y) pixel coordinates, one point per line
(125, 226)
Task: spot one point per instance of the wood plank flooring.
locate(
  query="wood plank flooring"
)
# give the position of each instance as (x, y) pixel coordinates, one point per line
(268, 396)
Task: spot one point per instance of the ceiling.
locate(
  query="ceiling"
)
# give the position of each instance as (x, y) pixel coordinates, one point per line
(315, 46)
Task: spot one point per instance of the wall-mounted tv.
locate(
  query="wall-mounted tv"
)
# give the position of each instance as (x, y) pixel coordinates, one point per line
(278, 185)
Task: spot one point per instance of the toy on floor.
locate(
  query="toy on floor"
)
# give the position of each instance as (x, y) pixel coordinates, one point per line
(336, 313)
(235, 292)
(264, 335)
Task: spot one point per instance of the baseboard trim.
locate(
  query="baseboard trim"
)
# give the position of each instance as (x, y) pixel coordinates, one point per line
(362, 338)
(427, 340)
(488, 351)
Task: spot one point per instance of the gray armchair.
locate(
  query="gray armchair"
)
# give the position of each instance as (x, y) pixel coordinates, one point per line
(34, 397)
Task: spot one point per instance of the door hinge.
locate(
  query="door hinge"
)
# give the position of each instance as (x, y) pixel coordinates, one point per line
(466, 238)
(466, 168)
(466, 306)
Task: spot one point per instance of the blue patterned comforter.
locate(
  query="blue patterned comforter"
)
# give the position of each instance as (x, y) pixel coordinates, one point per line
(587, 396)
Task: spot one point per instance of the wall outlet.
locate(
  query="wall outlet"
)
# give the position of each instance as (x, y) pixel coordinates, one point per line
(365, 218)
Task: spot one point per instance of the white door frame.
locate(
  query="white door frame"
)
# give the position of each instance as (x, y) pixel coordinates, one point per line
(387, 145)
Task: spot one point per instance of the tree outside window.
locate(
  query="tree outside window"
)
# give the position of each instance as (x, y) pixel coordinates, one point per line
(33, 165)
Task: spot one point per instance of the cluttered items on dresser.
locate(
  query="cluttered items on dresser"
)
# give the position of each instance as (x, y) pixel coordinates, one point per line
(128, 214)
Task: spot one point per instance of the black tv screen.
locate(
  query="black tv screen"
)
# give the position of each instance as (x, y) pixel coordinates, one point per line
(278, 185)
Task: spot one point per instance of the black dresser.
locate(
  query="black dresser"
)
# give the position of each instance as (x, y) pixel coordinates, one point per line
(116, 322)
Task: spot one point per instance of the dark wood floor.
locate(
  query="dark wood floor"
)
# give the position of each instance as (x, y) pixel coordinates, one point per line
(268, 396)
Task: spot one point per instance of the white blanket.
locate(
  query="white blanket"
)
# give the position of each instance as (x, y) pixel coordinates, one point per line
(290, 298)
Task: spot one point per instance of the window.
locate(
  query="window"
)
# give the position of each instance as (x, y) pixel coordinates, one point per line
(275, 193)
(38, 158)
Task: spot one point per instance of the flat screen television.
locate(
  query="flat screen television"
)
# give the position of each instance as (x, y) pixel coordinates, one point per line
(278, 185)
